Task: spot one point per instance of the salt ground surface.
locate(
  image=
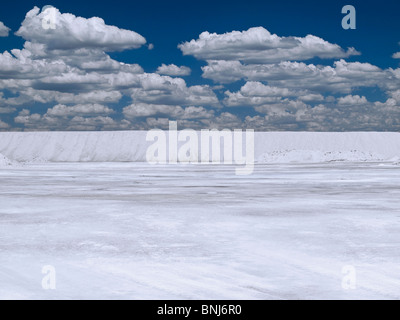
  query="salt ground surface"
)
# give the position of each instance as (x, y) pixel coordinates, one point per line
(135, 231)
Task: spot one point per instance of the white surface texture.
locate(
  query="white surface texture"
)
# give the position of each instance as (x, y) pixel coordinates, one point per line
(137, 231)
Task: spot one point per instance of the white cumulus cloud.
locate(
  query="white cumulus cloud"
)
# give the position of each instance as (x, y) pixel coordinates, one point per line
(396, 55)
(71, 32)
(352, 100)
(4, 30)
(258, 45)
(61, 110)
(173, 70)
(3, 125)
(169, 111)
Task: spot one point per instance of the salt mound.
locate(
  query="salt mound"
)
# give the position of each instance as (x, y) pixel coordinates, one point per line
(317, 156)
(4, 161)
(132, 146)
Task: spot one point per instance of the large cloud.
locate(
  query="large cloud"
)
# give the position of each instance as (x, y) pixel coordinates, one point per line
(71, 32)
(258, 45)
(341, 77)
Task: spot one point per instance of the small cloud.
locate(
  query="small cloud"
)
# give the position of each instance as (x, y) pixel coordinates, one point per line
(4, 30)
(396, 55)
(173, 70)
(47, 7)
(3, 125)
(352, 100)
(218, 87)
(5, 110)
(150, 46)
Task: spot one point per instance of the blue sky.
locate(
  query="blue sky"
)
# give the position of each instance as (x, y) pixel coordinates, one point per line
(346, 91)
